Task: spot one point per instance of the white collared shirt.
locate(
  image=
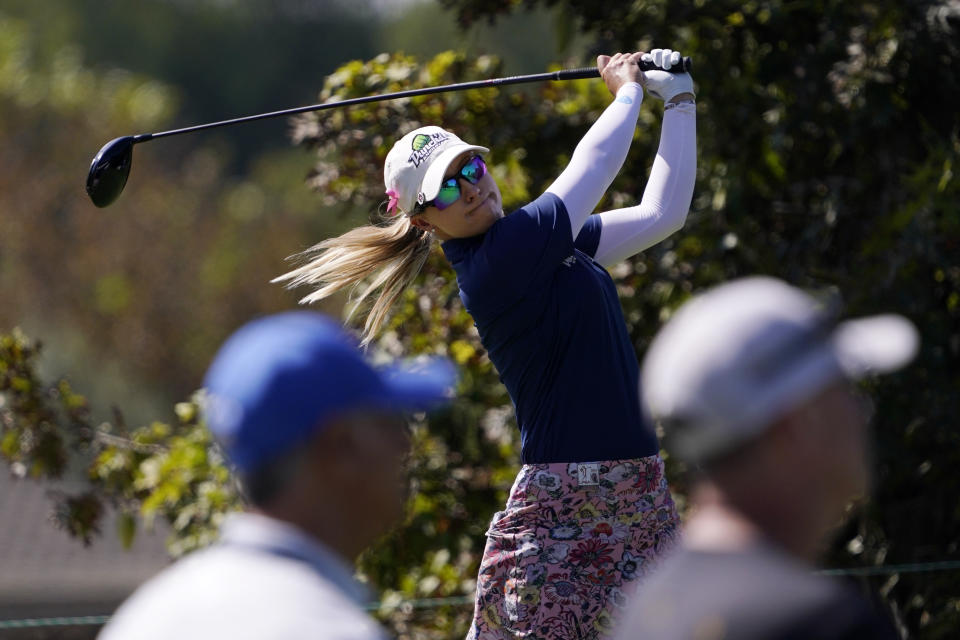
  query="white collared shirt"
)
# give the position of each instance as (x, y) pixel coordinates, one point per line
(264, 579)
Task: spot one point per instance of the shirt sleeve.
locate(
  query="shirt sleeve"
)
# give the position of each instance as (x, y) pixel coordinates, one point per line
(666, 198)
(589, 237)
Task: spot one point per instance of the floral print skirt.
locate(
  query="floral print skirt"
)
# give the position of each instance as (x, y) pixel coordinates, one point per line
(574, 538)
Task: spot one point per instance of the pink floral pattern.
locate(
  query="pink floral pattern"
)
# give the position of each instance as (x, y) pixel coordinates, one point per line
(562, 557)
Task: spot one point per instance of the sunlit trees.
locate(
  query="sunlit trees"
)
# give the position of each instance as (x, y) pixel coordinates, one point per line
(829, 141)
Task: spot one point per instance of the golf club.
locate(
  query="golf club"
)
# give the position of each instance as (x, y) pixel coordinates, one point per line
(111, 166)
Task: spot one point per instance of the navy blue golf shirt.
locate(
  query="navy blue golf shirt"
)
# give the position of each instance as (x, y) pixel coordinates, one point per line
(550, 318)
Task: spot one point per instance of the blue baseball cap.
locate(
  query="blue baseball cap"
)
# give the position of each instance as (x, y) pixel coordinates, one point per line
(278, 379)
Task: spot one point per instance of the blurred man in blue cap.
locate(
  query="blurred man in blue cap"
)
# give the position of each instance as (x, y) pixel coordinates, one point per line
(317, 438)
(753, 383)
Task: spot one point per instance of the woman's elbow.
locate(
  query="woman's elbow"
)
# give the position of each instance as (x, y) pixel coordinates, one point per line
(675, 221)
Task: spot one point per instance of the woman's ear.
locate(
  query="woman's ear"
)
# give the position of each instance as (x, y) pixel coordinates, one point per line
(421, 224)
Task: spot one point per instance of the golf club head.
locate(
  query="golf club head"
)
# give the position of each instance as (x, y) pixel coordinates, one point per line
(109, 171)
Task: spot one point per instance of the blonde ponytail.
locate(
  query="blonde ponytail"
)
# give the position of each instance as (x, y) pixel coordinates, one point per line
(386, 256)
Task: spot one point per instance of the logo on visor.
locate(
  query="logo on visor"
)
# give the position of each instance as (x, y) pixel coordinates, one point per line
(424, 145)
(420, 141)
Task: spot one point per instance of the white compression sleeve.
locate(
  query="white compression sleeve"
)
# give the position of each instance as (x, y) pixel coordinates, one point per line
(666, 198)
(598, 157)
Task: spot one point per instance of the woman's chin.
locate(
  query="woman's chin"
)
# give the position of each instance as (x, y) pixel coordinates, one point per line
(492, 206)
(491, 212)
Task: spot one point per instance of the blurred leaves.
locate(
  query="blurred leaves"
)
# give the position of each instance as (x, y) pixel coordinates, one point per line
(171, 472)
(164, 274)
(31, 415)
(828, 143)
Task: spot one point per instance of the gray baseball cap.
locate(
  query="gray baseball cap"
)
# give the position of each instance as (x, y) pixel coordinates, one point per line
(733, 360)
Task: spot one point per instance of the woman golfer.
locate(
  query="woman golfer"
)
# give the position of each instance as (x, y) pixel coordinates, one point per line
(590, 507)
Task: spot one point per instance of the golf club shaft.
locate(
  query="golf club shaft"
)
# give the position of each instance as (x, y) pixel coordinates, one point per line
(564, 74)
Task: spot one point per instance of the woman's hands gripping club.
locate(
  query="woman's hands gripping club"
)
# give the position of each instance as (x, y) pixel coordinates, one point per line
(622, 68)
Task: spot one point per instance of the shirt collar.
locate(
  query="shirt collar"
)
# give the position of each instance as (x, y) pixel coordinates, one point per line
(455, 249)
(258, 531)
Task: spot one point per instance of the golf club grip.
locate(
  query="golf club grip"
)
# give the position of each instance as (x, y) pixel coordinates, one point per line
(685, 66)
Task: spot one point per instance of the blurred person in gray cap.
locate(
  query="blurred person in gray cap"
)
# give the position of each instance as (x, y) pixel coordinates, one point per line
(317, 438)
(754, 386)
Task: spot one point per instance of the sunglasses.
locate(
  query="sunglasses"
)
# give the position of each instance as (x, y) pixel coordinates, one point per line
(472, 170)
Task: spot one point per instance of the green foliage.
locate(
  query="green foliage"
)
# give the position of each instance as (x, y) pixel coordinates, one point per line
(526, 42)
(222, 57)
(31, 437)
(167, 472)
(828, 141)
(160, 278)
(828, 145)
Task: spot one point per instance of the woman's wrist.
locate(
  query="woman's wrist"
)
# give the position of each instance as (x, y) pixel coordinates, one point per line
(685, 101)
(630, 89)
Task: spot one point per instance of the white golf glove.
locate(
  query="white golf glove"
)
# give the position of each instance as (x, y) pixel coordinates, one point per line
(662, 84)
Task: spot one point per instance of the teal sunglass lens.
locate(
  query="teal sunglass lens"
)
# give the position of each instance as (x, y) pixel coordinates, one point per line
(449, 193)
(474, 169)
